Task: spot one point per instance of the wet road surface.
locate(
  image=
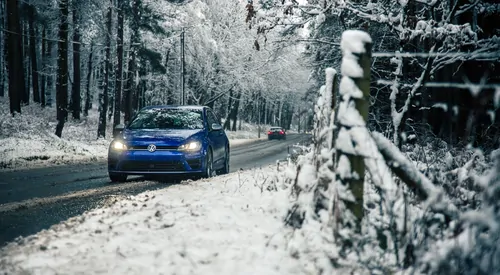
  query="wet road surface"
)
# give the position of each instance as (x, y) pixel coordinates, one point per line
(35, 199)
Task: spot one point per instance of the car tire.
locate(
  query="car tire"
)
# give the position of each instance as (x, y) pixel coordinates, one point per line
(117, 177)
(225, 169)
(209, 165)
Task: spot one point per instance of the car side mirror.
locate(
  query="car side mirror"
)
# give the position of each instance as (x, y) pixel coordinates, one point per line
(216, 127)
(118, 129)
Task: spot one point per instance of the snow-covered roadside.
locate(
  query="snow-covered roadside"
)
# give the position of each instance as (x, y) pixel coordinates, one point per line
(239, 142)
(28, 139)
(226, 225)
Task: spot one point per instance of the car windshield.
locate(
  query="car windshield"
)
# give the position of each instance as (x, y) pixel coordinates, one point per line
(276, 129)
(188, 119)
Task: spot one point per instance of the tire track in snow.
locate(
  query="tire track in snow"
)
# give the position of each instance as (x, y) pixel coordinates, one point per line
(36, 202)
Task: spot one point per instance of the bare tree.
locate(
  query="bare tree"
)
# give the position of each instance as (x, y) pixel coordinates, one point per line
(32, 49)
(104, 97)
(131, 87)
(43, 79)
(89, 78)
(62, 68)
(75, 92)
(14, 57)
(2, 51)
(119, 71)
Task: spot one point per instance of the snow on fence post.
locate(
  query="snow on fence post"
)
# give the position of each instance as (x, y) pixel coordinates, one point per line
(324, 110)
(352, 113)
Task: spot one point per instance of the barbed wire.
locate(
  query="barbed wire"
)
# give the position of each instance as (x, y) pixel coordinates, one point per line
(490, 55)
(465, 86)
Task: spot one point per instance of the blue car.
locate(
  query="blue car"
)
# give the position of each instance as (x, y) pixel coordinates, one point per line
(169, 140)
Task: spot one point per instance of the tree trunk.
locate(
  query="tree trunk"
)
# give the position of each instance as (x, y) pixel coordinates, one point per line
(101, 129)
(111, 95)
(227, 123)
(130, 92)
(235, 110)
(25, 99)
(15, 57)
(75, 92)
(33, 57)
(88, 98)
(264, 110)
(119, 71)
(3, 56)
(50, 76)
(62, 69)
(131, 88)
(280, 113)
(44, 66)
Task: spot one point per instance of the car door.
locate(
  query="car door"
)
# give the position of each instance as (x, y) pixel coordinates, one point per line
(217, 138)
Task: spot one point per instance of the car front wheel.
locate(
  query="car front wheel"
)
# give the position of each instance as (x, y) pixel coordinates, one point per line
(209, 165)
(225, 169)
(117, 177)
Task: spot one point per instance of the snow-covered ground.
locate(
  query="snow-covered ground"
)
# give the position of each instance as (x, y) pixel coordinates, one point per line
(28, 139)
(230, 224)
(248, 133)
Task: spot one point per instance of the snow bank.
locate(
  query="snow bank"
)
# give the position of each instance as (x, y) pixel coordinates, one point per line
(225, 225)
(28, 139)
(248, 131)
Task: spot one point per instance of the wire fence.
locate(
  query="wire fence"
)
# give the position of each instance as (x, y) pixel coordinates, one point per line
(486, 55)
(465, 86)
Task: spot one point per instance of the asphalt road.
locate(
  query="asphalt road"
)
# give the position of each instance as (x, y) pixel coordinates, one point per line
(35, 199)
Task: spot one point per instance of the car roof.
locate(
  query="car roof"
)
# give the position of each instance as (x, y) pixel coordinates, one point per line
(197, 107)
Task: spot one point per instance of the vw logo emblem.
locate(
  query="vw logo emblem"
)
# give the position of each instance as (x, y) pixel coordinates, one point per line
(151, 148)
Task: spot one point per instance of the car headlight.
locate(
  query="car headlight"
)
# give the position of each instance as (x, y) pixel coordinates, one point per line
(190, 146)
(119, 146)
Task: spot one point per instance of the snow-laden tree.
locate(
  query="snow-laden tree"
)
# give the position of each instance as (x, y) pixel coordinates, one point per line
(420, 43)
(224, 71)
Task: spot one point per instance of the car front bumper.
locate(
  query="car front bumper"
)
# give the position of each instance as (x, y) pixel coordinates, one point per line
(142, 162)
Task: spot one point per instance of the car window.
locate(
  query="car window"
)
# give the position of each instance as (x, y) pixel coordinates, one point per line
(168, 119)
(217, 118)
(211, 118)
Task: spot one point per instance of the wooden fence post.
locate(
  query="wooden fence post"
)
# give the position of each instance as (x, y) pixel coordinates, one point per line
(331, 84)
(352, 114)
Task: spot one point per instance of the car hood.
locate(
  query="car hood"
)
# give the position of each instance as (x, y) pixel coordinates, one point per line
(160, 136)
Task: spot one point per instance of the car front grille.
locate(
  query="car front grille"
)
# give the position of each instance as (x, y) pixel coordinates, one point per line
(158, 147)
(152, 166)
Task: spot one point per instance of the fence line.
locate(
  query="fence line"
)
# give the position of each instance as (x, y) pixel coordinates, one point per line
(491, 55)
(464, 86)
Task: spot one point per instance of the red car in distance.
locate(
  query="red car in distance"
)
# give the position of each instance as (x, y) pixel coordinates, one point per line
(276, 133)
